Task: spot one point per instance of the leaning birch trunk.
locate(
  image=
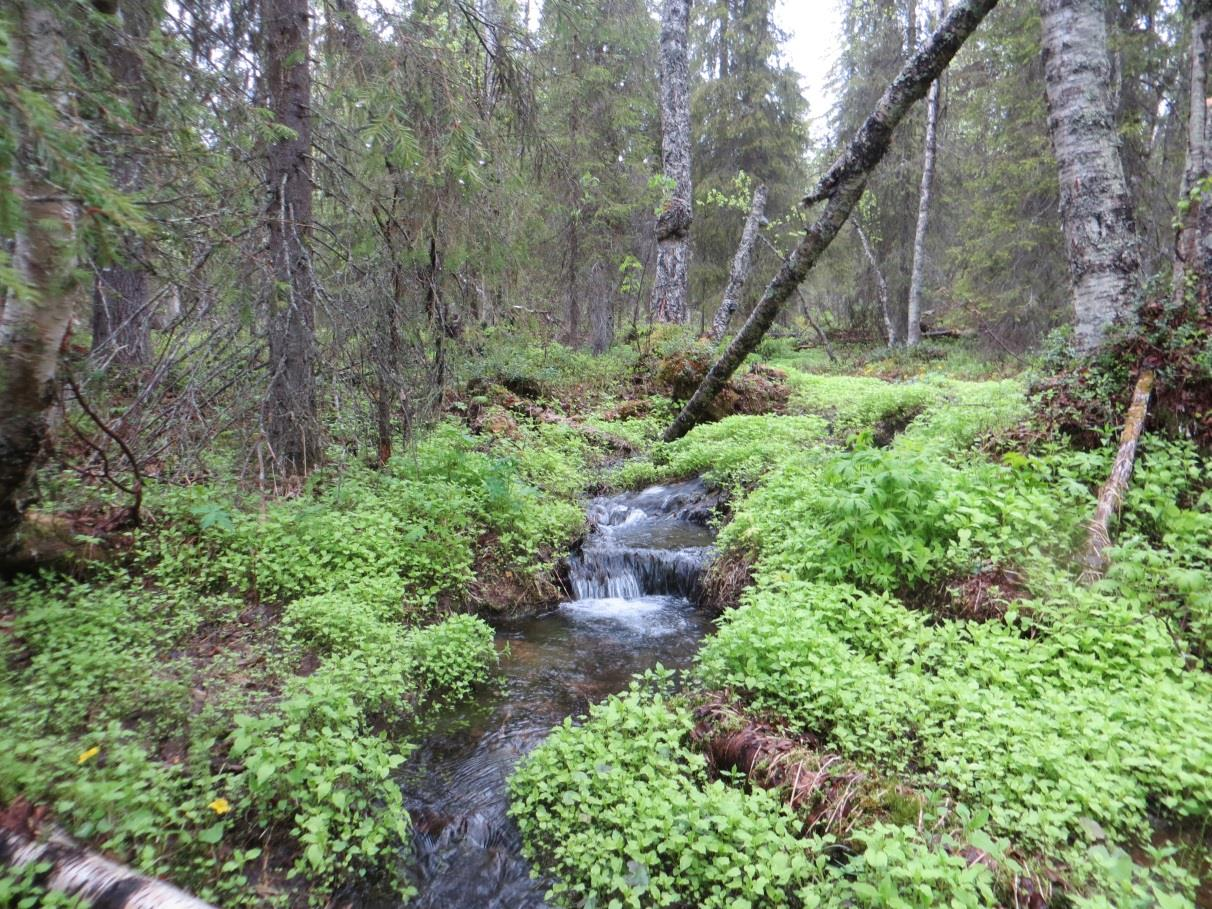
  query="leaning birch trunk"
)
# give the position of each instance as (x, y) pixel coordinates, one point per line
(913, 332)
(671, 285)
(881, 287)
(1096, 210)
(741, 264)
(1111, 498)
(840, 188)
(34, 322)
(91, 878)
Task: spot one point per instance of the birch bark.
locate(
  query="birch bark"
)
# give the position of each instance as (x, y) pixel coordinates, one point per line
(670, 288)
(881, 286)
(1096, 210)
(34, 322)
(741, 264)
(913, 328)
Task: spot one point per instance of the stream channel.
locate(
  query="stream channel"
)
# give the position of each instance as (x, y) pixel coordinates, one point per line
(634, 579)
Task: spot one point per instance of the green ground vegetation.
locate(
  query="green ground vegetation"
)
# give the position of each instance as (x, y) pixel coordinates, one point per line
(234, 689)
(1063, 730)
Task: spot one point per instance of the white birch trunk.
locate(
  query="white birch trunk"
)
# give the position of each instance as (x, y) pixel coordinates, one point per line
(741, 263)
(91, 878)
(1191, 250)
(35, 322)
(1096, 210)
(670, 287)
(913, 330)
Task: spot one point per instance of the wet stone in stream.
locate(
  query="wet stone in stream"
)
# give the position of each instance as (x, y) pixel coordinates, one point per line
(633, 578)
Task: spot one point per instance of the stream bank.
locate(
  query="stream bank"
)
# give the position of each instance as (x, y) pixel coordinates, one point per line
(635, 579)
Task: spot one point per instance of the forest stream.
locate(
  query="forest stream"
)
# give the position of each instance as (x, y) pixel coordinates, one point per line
(634, 580)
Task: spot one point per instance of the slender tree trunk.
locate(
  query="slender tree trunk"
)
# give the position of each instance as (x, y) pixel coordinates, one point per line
(291, 424)
(1096, 210)
(1194, 241)
(601, 311)
(840, 188)
(913, 332)
(881, 287)
(741, 264)
(122, 316)
(35, 320)
(671, 286)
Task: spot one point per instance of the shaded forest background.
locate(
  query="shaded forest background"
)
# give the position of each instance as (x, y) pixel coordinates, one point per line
(487, 172)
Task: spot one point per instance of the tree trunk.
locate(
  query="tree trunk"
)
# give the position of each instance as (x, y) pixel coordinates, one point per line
(35, 321)
(881, 287)
(1194, 241)
(913, 332)
(671, 285)
(1111, 497)
(840, 188)
(1096, 210)
(601, 310)
(92, 879)
(741, 263)
(122, 315)
(290, 411)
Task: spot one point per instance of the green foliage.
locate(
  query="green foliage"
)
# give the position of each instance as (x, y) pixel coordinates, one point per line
(1163, 557)
(736, 450)
(20, 888)
(621, 809)
(416, 524)
(895, 869)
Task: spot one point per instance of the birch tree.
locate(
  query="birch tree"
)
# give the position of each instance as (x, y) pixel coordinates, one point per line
(840, 189)
(38, 312)
(741, 263)
(1193, 248)
(670, 287)
(913, 332)
(1096, 210)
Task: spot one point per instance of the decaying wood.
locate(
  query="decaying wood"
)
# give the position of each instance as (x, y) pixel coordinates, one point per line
(741, 263)
(1111, 498)
(96, 880)
(840, 188)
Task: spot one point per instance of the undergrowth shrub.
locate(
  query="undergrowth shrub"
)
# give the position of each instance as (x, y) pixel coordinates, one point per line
(621, 809)
(1088, 717)
(418, 521)
(1163, 554)
(319, 766)
(735, 451)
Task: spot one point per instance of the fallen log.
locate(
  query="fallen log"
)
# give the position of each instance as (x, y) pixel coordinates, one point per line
(91, 878)
(1111, 497)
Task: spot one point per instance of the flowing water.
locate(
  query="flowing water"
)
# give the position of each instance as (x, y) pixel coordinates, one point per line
(634, 579)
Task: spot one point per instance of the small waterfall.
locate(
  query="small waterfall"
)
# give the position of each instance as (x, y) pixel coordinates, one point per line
(634, 579)
(642, 544)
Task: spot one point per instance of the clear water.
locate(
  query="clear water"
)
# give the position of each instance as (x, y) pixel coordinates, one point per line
(634, 578)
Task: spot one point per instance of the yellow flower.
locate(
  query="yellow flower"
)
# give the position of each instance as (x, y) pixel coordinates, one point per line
(88, 755)
(220, 805)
